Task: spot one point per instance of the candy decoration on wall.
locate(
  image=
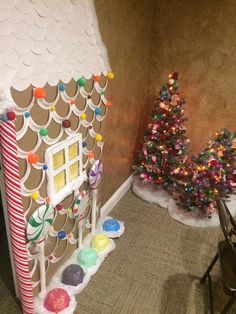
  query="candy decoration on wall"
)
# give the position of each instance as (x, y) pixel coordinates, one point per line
(95, 176)
(37, 229)
(81, 203)
(16, 213)
(57, 300)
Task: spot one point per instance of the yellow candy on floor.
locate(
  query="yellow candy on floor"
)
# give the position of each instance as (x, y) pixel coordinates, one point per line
(100, 242)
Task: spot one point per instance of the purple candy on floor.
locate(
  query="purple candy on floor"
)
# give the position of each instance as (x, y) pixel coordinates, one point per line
(73, 275)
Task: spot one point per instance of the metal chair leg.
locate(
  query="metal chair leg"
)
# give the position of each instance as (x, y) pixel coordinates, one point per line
(209, 268)
(210, 294)
(229, 304)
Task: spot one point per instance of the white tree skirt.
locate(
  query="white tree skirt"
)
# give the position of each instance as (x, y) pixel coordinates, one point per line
(149, 192)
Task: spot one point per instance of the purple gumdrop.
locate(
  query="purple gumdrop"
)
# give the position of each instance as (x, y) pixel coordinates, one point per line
(73, 275)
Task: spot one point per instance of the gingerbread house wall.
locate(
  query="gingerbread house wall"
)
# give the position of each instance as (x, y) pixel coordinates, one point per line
(56, 251)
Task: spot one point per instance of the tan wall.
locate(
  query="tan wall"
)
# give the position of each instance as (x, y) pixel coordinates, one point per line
(198, 39)
(127, 33)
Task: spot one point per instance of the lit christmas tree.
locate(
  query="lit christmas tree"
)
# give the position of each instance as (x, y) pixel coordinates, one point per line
(208, 175)
(164, 145)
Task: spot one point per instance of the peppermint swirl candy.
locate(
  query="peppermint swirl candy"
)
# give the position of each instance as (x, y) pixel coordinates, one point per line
(95, 174)
(39, 223)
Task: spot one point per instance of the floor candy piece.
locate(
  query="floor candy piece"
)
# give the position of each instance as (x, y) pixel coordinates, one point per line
(57, 300)
(73, 275)
(111, 225)
(88, 257)
(100, 242)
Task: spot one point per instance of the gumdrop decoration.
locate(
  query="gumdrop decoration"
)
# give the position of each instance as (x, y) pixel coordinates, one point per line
(98, 111)
(33, 158)
(43, 132)
(11, 115)
(61, 234)
(98, 138)
(97, 78)
(83, 116)
(88, 257)
(73, 275)
(27, 114)
(81, 81)
(57, 300)
(110, 76)
(39, 92)
(100, 242)
(66, 124)
(61, 87)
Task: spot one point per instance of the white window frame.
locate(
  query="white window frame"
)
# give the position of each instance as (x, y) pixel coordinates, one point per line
(57, 197)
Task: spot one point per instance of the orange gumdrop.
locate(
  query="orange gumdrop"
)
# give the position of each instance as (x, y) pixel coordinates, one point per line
(96, 77)
(108, 104)
(91, 155)
(39, 92)
(33, 158)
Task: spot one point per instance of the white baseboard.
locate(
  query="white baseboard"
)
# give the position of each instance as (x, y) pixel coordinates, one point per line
(114, 199)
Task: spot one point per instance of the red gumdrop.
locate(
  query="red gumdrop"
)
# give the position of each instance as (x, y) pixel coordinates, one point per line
(57, 300)
(66, 123)
(59, 207)
(39, 92)
(11, 115)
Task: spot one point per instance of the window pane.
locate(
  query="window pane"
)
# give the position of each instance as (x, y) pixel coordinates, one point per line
(58, 159)
(59, 181)
(73, 151)
(74, 171)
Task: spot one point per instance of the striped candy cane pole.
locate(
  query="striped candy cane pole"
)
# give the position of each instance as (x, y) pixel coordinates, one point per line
(16, 214)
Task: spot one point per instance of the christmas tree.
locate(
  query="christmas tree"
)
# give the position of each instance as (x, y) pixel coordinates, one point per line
(164, 144)
(208, 175)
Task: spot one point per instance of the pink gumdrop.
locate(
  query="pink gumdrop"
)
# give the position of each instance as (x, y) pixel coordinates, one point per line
(57, 300)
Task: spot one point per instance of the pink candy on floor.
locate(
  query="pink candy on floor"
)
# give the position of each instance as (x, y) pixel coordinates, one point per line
(56, 300)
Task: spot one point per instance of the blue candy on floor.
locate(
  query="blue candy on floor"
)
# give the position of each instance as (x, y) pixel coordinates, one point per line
(111, 225)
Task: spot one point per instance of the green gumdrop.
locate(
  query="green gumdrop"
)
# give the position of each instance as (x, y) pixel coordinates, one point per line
(88, 257)
(43, 132)
(81, 81)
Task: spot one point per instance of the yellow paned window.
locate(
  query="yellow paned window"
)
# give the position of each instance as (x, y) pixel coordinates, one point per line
(58, 159)
(74, 171)
(73, 151)
(59, 181)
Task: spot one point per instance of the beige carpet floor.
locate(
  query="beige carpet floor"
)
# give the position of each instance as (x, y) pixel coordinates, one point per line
(155, 267)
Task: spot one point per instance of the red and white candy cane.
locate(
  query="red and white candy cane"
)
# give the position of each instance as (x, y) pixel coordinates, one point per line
(16, 214)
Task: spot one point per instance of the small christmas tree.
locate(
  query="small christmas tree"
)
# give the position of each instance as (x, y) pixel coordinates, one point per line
(209, 175)
(164, 144)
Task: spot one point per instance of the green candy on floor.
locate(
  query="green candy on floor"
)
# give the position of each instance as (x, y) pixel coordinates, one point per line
(88, 257)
